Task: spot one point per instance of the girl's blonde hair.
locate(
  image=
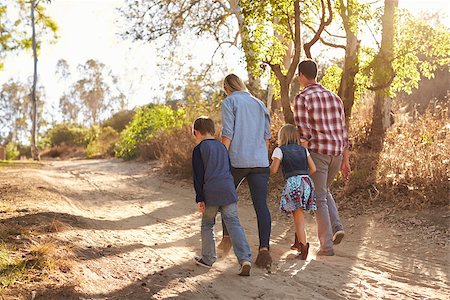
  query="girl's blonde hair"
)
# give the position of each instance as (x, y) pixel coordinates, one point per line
(288, 134)
(233, 83)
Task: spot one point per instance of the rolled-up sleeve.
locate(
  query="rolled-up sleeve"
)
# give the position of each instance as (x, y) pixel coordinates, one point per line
(267, 126)
(227, 119)
(301, 117)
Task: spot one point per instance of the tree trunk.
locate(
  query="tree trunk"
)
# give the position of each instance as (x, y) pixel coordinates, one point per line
(351, 68)
(285, 102)
(34, 149)
(383, 71)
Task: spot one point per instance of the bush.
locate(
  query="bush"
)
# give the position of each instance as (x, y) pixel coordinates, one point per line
(147, 123)
(69, 134)
(11, 151)
(120, 120)
(103, 144)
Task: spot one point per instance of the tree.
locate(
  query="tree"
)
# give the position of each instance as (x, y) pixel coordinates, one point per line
(15, 111)
(92, 95)
(15, 30)
(34, 149)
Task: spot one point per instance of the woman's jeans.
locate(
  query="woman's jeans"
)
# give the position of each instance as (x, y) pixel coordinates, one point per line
(257, 179)
(238, 239)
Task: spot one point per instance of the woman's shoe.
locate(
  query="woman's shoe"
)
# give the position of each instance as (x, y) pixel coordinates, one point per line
(263, 260)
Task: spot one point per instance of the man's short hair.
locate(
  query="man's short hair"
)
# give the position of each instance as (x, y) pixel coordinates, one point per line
(308, 68)
(204, 125)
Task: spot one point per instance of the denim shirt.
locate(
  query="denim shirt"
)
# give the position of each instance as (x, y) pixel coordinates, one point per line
(246, 122)
(295, 160)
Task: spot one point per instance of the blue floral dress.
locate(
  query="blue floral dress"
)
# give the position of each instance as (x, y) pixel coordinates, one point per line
(298, 193)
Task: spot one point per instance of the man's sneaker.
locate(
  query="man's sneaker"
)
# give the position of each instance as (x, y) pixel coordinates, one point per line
(245, 268)
(199, 261)
(338, 236)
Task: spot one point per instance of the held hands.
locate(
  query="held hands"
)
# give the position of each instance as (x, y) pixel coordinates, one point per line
(303, 143)
(201, 207)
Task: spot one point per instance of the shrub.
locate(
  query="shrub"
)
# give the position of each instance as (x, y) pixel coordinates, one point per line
(11, 151)
(69, 134)
(103, 144)
(120, 120)
(148, 121)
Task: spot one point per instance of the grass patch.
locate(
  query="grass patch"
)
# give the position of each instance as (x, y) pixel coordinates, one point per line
(19, 163)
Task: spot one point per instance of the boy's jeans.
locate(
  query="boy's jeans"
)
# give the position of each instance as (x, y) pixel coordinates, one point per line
(230, 217)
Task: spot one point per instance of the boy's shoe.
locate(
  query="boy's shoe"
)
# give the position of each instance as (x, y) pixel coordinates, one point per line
(263, 260)
(338, 236)
(199, 261)
(245, 268)
(225, 244)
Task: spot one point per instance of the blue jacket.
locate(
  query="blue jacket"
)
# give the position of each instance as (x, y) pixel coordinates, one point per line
(213, 181)
(295, 160)
(246, 122)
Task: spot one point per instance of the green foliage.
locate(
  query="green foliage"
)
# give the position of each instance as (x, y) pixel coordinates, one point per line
(332, 78)
(12, 152)
(147, 121)
(119, 120)
(103, 144)
(69, 134)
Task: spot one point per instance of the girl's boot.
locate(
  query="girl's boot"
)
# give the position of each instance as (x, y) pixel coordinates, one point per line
(303, 251)
(296, 245)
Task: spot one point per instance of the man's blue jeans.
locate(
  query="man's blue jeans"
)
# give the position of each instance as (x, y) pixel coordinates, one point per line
(257, 179)
(230, 217)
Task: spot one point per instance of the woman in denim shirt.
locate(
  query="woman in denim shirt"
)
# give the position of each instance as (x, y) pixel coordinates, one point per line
(246, 134)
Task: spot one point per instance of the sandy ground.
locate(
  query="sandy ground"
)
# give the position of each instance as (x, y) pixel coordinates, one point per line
(132, 234)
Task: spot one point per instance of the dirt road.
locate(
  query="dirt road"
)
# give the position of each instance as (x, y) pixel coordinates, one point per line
(133, 233)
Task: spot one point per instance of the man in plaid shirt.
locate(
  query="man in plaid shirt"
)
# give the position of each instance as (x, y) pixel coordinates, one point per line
(319, 116)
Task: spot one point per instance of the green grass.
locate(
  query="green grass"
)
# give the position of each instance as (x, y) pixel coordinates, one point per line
(19, 163)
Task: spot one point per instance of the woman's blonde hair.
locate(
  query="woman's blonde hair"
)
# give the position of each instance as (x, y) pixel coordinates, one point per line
(233, 83)
(288, 134)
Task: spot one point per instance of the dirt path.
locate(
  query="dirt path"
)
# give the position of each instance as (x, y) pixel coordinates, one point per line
(133, 234)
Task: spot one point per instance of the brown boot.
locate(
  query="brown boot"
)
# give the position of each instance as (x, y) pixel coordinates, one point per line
(303, 251)
(263, 260)
(225, 245)
(296, 245)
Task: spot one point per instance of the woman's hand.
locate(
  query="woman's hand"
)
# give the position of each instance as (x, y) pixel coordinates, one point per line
(201, 207)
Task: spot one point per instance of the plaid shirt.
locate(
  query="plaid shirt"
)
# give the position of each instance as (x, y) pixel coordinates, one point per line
(319, 116)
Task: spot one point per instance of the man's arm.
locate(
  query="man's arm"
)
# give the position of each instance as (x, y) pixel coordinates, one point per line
(345, 165)
(301, 117)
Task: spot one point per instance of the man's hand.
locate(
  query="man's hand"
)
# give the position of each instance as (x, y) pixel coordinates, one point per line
(201, 207)
(345, 166)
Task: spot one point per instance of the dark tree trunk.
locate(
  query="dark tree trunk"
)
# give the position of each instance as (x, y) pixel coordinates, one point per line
(34, 149)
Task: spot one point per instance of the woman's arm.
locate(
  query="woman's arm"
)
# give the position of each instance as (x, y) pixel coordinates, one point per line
(226, 141)
(311, 165)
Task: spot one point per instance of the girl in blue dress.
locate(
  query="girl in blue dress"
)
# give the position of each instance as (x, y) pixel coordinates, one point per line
(298, 193)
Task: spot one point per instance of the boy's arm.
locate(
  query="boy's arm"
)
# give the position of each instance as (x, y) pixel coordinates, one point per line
(198, 173)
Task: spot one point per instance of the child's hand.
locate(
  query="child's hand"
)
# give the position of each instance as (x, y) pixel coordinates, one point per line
(201, 207)
(304, 143)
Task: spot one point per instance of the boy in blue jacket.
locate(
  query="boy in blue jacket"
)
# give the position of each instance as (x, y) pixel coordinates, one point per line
(215, 191)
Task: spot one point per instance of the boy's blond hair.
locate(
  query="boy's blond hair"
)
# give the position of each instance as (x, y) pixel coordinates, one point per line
(233, 83)
(288, 134)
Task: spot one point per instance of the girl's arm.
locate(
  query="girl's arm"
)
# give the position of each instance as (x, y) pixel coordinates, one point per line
(275, 165)
(311, 165)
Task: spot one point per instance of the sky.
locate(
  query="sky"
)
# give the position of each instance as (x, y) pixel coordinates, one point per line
(88, 29)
